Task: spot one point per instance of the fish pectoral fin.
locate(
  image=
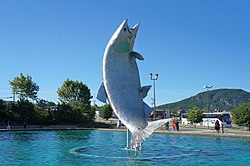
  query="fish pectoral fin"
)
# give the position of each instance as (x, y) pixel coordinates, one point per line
(145, 133)
(101, 95)
(139, 137)
(136, 55)
(152, 126)
(147, 109)
(144, 90)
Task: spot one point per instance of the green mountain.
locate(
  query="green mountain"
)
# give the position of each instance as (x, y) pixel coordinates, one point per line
(220, 99)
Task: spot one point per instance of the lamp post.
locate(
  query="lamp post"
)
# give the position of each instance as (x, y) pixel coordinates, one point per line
(207, 87)
(154, 79)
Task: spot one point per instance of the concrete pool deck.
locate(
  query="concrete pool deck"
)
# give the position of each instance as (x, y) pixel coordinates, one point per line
(184, 130)
(228, 132)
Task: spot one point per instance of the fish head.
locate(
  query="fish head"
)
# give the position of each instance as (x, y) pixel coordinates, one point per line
(124, 37)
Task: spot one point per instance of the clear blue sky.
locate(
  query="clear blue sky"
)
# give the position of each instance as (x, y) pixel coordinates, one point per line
(189, 43)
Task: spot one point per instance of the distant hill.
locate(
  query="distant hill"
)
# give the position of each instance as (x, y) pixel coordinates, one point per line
(220, 99)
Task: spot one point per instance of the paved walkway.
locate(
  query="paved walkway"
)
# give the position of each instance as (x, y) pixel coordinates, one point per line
(191, 130)
(228, 132)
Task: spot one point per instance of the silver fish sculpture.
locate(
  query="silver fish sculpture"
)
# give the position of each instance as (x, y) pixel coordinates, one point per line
(121, 85)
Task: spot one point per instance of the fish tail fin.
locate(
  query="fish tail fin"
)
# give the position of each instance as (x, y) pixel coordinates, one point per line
(139, 137)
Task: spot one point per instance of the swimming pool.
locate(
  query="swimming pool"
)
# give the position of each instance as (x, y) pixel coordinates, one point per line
(95, 147)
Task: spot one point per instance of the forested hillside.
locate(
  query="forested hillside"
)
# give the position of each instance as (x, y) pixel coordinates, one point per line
(220, 99)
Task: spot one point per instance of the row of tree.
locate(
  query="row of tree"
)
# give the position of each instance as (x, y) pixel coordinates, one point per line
(74, 105)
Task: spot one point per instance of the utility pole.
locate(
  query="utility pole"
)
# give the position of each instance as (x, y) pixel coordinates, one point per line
(154, 79)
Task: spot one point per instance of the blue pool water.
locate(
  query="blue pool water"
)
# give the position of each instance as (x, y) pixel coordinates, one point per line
(93, 147)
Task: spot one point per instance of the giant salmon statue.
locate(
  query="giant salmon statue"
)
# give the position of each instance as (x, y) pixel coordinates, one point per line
(122, 88)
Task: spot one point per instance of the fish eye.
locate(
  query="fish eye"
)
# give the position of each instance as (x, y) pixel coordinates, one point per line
(139, 128)
(125, 29)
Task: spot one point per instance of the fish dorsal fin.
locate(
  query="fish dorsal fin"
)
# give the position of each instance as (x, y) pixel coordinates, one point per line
(144, 90)
(136, 55)
(101, 95)
(147, 109)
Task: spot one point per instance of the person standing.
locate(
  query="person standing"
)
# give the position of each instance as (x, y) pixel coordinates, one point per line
(222, 125)
(177, 125)
(167, 126)
(173, 125)
(24, 125)
(8, 125)
(217, 126)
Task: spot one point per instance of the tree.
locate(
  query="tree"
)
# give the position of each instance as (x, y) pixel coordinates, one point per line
(46, 105)
(43, 117)
(106, 112)
(45, 111)
(195, 115)
(24, 87)
(2, 111)
(25, 111)
(241, 115)
(75, 94)
(11, 111)
(63, 114)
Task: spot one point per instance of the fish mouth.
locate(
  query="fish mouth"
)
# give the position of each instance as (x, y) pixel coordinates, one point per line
(132, 31)
(135, 29)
